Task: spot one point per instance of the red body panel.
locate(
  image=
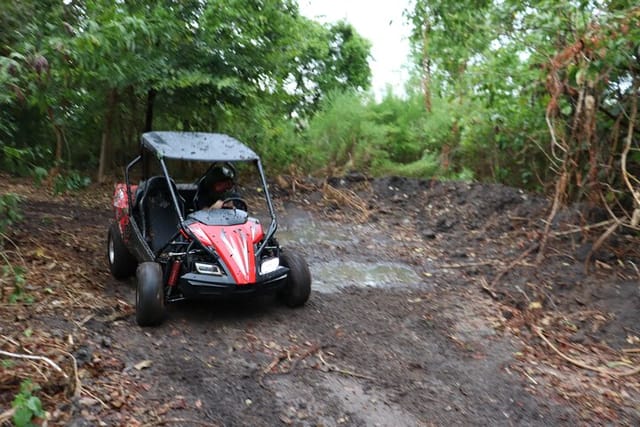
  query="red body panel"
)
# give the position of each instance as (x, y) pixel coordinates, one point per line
(236, 246)
(121, 205)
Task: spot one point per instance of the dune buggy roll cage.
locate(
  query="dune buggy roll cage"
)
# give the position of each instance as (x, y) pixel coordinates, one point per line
(195, 146)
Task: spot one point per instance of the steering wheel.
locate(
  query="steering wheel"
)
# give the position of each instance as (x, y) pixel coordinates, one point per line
(238, 203)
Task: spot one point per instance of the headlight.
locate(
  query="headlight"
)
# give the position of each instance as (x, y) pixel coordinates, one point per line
(269, 265)
(212, 269)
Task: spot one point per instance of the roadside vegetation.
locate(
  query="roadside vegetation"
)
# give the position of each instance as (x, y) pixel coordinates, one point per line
(528, 94)
(537, 95)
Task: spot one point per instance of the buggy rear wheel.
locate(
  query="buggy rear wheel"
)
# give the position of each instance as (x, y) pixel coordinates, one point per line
(149, 294)
(121, 263)
(298, 287)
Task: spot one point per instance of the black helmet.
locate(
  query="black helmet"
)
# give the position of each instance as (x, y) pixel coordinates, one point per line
(221, 173)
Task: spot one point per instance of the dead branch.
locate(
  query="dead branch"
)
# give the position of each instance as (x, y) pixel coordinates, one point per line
(314, 349)
(7, 415)
(275, 362)
(513, 263)
(635, 267)
(186, 421)
(305, 187)
(561, 186)
(5, 237)
(10, 340)
(470, 264)
(344, 197)
(583, 365)
(554, 140)
(485, 287)
(77, 385)
(96, 398)
(6, 260)
(334, 368)
(31, 357)
(583, 229)
(612, 228)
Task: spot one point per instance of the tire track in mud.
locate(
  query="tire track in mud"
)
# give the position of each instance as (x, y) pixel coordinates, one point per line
(420, 354)
(413, 355)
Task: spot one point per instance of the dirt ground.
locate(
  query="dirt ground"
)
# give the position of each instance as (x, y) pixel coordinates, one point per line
(484, 334)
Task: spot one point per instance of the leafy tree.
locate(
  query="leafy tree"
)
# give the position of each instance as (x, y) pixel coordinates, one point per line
(104, 71)
(544, 93)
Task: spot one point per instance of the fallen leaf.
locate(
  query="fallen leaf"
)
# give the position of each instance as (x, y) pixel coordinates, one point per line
(143, 365)
(535, 305)
(87, 401)
(632, 339)
(179, 402)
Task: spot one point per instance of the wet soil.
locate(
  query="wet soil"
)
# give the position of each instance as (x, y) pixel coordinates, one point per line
(455, 329)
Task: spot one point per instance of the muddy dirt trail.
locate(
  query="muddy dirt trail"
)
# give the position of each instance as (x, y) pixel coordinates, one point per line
(419, 315)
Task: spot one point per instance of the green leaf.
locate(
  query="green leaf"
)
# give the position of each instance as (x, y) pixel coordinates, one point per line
(22, 416)
(35, 406)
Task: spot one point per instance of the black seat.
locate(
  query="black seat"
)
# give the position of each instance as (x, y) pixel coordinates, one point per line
(160, 221)
(202, 187)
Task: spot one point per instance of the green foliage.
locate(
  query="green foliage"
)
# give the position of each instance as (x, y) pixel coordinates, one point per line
(426, 167)
(27, 406)
(70, 181)
(494, 63)
(404, 121)
(9, 211)
(13, 277)
(7, 363)
(491, 79)
(344, 134)
(21, 161)
(393, 137)
(110, 69)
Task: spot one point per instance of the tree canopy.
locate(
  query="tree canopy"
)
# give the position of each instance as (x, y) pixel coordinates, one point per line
(82, 79)
(545, 93)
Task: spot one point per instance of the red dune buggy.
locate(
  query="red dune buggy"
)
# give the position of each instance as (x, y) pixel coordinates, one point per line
(180, 248)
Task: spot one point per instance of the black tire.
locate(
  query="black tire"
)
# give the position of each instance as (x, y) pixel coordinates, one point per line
(149, 294)
(121, 263)
(298, 287)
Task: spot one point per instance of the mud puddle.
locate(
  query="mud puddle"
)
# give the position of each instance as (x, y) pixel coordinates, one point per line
(332, 275)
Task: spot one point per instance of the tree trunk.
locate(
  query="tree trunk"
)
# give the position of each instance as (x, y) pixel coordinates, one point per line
(445, 157)
(59, 137)
(105, 146)
(132, 128)
(426, 69)
(148, 122)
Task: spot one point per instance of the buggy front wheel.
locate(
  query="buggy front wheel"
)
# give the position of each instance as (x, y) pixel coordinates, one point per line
(149, 294)
(298, 287)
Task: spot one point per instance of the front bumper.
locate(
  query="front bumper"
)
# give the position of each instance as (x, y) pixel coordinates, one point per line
(195, 285)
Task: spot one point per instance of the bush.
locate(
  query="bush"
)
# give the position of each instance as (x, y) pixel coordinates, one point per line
(9, 211)
(426, 167)
(70, 181)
